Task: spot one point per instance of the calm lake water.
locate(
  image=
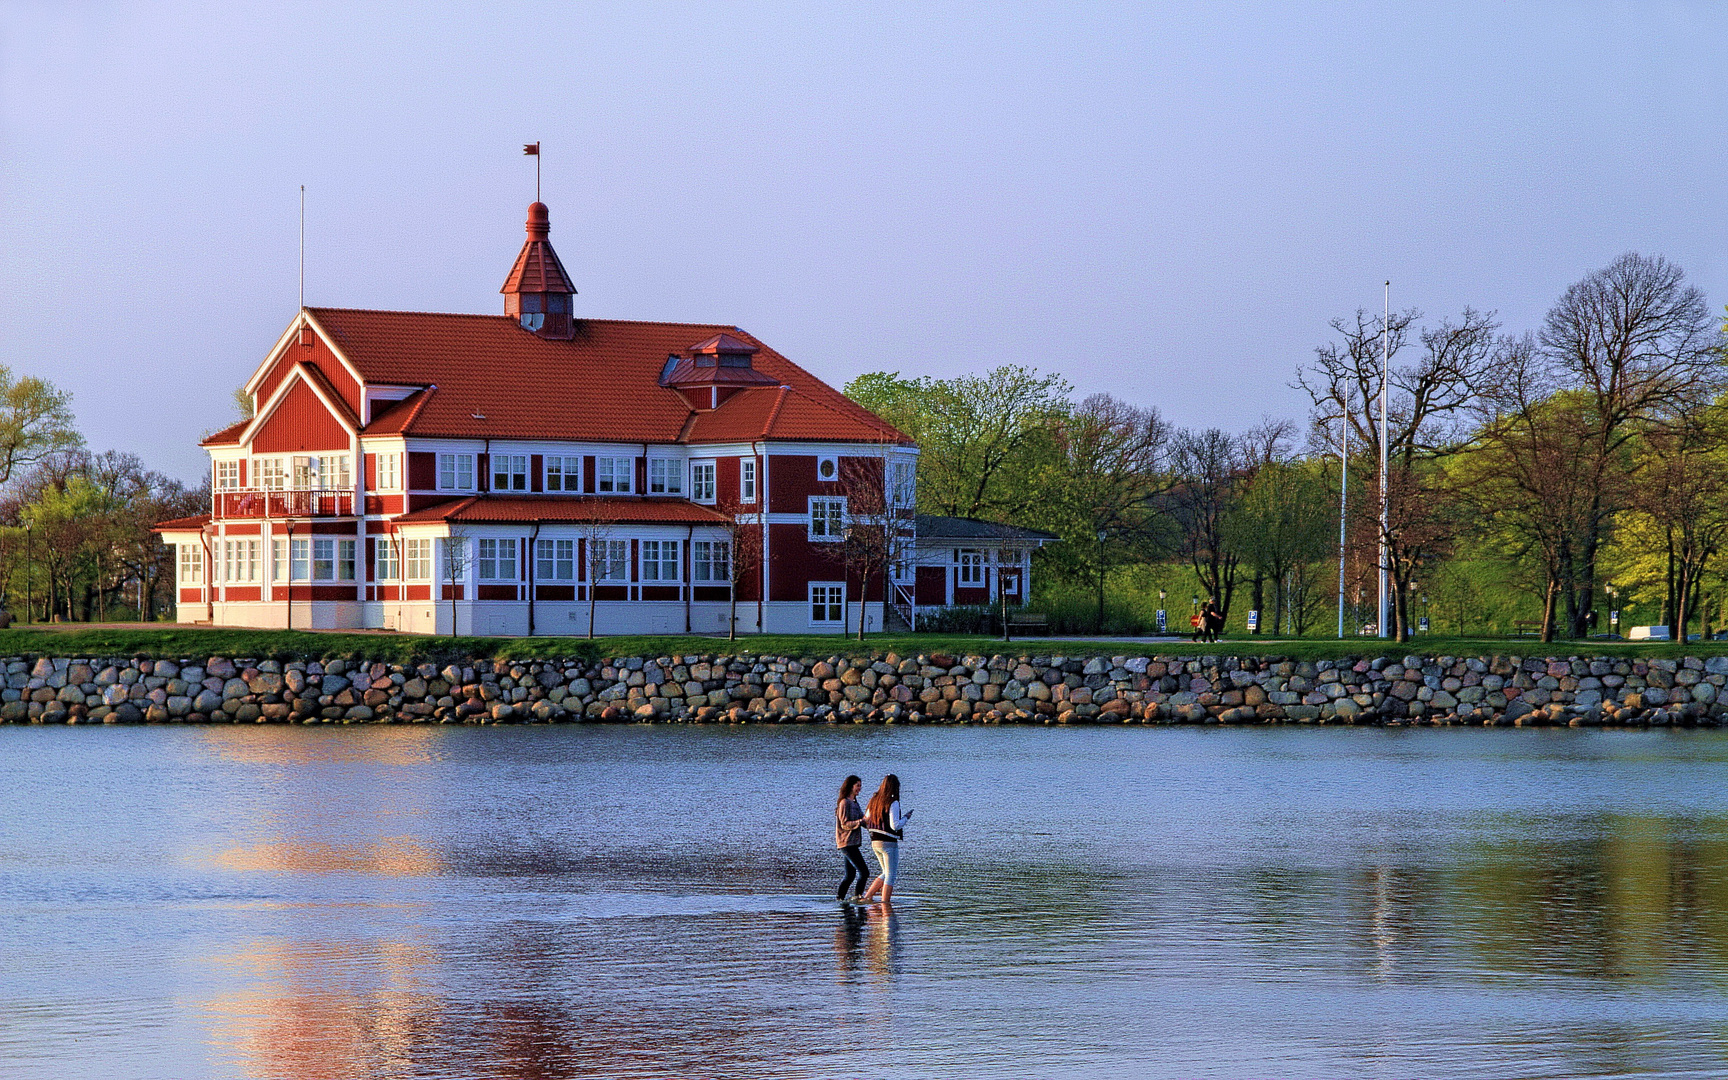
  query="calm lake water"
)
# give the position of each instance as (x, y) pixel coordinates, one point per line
(655, 901)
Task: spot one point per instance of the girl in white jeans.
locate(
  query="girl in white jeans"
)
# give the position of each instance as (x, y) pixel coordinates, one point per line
(887, 825)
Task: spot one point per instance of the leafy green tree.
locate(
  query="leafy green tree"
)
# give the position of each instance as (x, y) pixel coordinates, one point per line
(1098, 486)
(982, 439)
(35, 423)
(1283, 525)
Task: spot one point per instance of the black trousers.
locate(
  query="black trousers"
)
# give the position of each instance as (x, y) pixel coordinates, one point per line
(855, 868)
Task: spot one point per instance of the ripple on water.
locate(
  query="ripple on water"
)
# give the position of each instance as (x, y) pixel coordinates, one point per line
(650, 902)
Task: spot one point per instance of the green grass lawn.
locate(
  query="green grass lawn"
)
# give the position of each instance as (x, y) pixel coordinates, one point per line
(177, 641)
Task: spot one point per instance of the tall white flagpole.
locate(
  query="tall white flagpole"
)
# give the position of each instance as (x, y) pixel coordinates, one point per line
(1343, 500)
(1385, 387)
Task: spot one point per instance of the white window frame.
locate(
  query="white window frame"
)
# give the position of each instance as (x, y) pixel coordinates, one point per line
(833, 609)
(747, 480)
(827, 520)
(711, 561)
(334, 473)
(969, 564)
(228, 475)
(323, 558)
(278, 560)
(268, 474)
(610, 560)
(417, 555)
(902, 484)
(389, 472)
(828, 468)
(300, 559)
(566, 469)
(191, 564)
(659, 561)
(704, 481)
(614, 475)
(385, 565)
(455, 472)
(497, 559)
(665, 476)
(240, 561)
(512, 469)
(555, 560)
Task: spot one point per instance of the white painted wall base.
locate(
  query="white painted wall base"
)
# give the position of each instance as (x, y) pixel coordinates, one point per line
(498, 618)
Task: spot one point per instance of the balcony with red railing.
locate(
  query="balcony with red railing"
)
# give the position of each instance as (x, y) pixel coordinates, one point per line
(291, 503)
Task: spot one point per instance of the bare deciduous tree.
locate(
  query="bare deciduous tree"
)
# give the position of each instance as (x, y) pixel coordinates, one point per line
(1429, 404)
(1209, 473)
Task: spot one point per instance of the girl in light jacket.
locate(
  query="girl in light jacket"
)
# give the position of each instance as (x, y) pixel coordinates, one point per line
(887, 825)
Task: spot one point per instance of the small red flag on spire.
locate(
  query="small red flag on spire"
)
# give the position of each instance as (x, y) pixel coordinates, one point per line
(531, 149)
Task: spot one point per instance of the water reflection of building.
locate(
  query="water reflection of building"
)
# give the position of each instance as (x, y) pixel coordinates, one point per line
(325, 1010)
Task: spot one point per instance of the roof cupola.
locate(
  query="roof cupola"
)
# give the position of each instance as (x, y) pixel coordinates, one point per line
(538, 291)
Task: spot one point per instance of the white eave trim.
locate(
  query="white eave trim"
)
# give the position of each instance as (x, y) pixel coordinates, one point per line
(304, 318)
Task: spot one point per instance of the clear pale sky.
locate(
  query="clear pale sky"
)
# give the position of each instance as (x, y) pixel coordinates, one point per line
(1165, 201)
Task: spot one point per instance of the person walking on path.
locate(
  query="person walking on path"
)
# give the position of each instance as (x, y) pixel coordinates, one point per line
(848, 837)
(887, 825)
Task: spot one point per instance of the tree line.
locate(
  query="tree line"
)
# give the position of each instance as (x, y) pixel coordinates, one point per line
(75, 539)
(1579, 468)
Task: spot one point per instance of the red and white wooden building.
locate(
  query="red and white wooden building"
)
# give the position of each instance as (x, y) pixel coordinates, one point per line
(497, 474)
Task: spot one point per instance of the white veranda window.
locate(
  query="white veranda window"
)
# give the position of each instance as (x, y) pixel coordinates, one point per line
(711, 560)
(555, 560)
(660, 560)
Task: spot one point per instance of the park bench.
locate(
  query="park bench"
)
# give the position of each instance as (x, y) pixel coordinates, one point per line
(1026, 621)
(1526, 629)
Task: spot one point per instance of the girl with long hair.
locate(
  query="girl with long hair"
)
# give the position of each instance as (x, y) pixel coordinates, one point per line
(887, 825)
(848, 833)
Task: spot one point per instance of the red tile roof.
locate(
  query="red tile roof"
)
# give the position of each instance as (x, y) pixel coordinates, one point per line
(601, 385)
(517, 509)
(690, 373)
(228, 436)
(186, 524)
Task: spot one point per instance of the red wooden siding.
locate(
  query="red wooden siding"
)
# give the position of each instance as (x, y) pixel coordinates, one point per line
(319, 356)
(932, 586)
(301, 423)
(794, 480)
(794, 562)
(422, 471)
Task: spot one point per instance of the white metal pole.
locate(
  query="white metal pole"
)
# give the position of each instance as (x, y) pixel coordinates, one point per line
(302, 246)
(1385, 388)
(1343, 499)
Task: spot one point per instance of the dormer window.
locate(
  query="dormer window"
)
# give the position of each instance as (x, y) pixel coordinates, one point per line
(537, 306)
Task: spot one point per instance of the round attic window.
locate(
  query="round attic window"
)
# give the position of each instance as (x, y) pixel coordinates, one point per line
(826, 469)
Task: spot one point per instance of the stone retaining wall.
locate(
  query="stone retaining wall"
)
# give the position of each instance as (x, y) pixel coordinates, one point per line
(1498, 690)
